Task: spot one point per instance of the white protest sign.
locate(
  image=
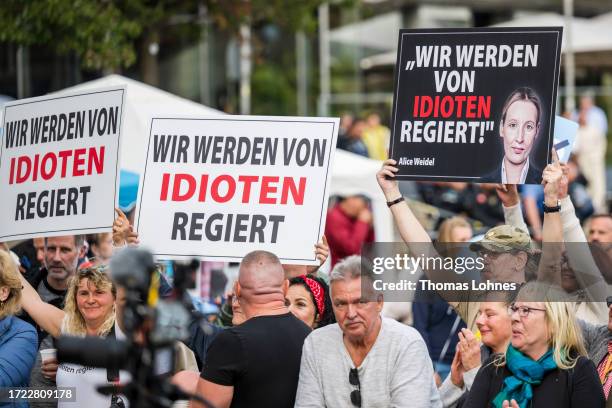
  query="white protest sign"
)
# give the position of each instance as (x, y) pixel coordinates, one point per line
(59, 166)
(218, 188)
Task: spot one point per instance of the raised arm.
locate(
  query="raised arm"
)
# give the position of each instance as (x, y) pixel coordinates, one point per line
(552, 233)
(44, 314)
(410, 229)
(579, 254)
(413, 233)
(321, 253)
(511, 204)
(123, 232)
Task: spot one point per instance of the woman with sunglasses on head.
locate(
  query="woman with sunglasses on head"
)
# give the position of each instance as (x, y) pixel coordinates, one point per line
(309, 301)
(18, 340)
(89, 311)
(545, 364)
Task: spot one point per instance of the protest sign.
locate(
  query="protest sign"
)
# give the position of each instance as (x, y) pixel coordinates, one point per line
(218, 188)
(59, 164)
(475, 104)
(565, 137)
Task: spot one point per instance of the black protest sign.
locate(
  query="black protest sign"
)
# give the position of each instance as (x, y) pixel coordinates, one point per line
(475, 104)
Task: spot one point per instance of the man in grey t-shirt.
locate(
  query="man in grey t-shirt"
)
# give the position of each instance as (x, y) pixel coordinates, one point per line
(364, 360)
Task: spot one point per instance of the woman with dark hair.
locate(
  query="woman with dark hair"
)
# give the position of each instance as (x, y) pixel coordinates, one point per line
(519, 127)
(308, 299)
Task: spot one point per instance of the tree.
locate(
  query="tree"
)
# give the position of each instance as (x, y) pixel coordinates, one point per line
(97, 32)
(105, 34)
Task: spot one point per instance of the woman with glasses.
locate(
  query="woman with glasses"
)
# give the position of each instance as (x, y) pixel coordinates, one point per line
(89, 311)
(18, 342)
(545, 364)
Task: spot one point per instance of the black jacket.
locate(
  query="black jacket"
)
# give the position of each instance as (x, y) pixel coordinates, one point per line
(534, 175)
(575, 388)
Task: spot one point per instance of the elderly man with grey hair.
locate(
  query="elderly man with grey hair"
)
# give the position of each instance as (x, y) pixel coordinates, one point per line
(364, 360)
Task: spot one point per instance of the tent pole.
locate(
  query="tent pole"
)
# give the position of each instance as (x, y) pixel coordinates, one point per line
(324, 60)
(570, 66)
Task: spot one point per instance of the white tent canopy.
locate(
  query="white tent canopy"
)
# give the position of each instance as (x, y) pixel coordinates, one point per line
(588, 35)
(353, 174)
(380, 32)
(377, 32)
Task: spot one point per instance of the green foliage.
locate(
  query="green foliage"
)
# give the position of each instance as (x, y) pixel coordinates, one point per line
(104, 33)
(294, 14)
(273, 93)
(97, 31)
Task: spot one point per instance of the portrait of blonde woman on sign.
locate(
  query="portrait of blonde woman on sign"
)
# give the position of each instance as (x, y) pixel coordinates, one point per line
(519, 128)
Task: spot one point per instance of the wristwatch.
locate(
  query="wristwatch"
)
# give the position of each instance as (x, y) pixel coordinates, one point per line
(397, 200)
(554, 209)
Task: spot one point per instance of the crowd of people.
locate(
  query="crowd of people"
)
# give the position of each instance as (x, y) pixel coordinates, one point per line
(292, 335)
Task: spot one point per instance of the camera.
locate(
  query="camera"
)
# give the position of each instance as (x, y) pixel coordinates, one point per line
(151, 326)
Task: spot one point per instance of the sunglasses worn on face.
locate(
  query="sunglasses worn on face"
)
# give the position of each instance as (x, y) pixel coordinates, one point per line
(355, 394)
(609, 300)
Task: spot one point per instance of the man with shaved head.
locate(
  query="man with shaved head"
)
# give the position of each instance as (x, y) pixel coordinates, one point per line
(257, 363)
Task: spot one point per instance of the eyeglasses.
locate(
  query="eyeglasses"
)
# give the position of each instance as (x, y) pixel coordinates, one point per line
(355, 394)
(523, 311)
(609, 300)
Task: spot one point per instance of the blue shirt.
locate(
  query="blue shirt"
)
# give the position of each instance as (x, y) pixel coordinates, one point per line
(18, 346)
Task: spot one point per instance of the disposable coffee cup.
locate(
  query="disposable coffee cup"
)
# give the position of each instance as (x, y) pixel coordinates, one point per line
(48, 354)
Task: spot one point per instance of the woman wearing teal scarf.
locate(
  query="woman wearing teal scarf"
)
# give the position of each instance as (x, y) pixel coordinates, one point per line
(525, 374)
(545, 365)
